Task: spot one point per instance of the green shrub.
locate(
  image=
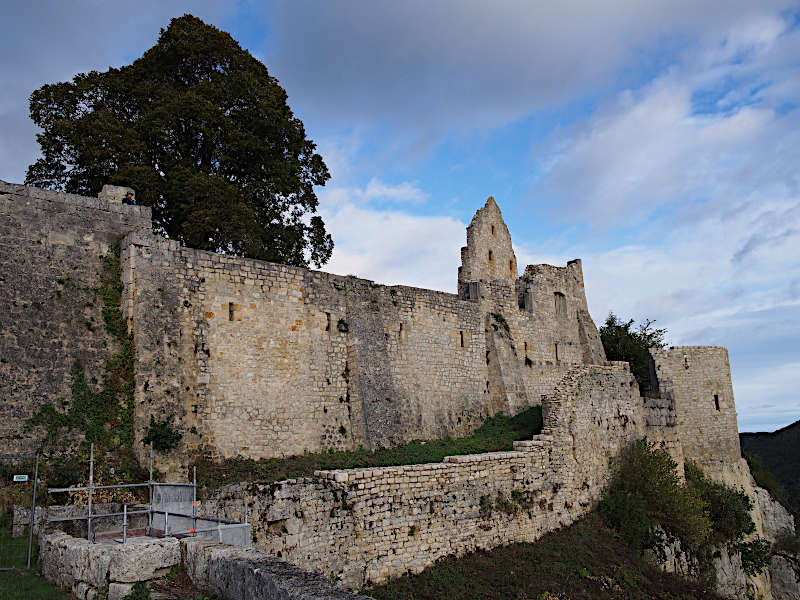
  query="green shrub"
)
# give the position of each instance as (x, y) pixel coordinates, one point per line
(162, 434)
(755, 555)
(727, 508)
(645, 492)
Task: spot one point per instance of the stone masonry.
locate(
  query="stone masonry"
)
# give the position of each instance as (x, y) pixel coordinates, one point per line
(255, 359)
(50, 245)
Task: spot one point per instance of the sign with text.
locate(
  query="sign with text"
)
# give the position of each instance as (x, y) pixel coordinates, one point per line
(20, 478)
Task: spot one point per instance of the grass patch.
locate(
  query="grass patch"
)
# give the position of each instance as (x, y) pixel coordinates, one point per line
(22, 583)
(586, 560)
(497, 433)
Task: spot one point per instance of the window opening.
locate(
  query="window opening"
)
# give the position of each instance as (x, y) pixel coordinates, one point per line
(716, 401)
(492, 229)
(231, 311)
(560, 304)
(491, 257)
(328, 323)
(462, 338)
(556, 345)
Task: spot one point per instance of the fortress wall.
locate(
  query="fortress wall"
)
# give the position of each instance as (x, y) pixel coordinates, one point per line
(553, 335)
(367, 524)
(693, 376)
(436, 351)
(51, 244)
(262, 360)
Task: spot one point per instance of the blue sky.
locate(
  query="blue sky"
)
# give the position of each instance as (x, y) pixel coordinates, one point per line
(657, 141)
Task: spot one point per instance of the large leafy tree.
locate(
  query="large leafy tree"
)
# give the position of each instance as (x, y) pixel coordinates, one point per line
(622, 341)
(203, 133)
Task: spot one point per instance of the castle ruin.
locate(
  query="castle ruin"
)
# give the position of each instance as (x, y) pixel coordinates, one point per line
(255, 359)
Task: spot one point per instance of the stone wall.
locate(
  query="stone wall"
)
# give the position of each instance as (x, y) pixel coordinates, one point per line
(258, 359)
(365, 525)
(109, 570)
(89, 569)
(51, 245)
(698, 379)
(232, 573)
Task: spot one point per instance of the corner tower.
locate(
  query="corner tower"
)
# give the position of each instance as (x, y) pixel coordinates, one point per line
(488, 254)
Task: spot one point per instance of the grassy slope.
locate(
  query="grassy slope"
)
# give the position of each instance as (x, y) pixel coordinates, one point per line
(581, 562)
(779, 453)
(20, 583)
(496, 434)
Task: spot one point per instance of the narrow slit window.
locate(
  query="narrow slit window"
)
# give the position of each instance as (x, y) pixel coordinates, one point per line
(556, 347)
(461, 333)
(231, 311)
(400, 333)
(716, 401)
(492, 229)
(511, 266)
(328, 321)
(491, 256)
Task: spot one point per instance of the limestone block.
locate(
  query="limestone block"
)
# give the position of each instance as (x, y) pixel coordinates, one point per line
(118, 591)
(142, 559)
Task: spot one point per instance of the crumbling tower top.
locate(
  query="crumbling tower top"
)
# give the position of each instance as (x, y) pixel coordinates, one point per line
(488, 254)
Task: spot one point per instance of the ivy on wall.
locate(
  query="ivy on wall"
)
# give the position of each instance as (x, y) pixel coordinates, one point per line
(103, 416)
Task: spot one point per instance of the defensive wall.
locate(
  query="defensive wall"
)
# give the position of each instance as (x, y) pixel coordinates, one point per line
(365, 525)
(50, 247)
(257, 359)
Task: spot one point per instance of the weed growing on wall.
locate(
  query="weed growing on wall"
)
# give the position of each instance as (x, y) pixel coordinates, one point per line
(103, 416)
(162, 434)
(646, 496)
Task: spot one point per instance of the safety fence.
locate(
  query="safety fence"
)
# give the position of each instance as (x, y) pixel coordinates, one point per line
(171, 511)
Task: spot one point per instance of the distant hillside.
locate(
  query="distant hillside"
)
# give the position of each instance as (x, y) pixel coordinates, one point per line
(779, 453)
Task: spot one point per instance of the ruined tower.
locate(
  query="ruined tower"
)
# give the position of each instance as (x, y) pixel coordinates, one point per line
(488, 255)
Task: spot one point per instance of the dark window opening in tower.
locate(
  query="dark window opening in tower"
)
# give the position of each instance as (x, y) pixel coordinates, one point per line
(560, 304)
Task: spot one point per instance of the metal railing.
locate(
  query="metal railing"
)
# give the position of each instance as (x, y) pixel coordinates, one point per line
(150, 511)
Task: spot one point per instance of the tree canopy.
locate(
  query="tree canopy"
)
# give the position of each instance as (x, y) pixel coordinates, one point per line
(622, 342)
(203, 133)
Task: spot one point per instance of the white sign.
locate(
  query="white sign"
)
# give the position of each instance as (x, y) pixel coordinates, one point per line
(20, 478)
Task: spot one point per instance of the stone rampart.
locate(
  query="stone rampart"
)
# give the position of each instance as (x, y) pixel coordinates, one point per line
(365, 525)
(698, 380)
(51, 245)
(258, 359)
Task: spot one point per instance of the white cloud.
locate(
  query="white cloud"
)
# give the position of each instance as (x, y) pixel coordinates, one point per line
(404, 192)
(391, 246)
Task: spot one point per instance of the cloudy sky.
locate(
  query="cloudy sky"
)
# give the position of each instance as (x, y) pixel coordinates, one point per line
(658, 141)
